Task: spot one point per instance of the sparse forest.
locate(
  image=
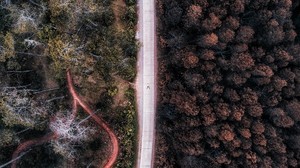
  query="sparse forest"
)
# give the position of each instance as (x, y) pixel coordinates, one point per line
(229, 83)
(39, 42)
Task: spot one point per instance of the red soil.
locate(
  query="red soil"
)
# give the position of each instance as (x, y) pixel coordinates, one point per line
(113, 138)
(30, 143)
(52, 136)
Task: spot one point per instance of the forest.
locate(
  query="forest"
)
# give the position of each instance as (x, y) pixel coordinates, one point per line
(229, 84)
(43, 41)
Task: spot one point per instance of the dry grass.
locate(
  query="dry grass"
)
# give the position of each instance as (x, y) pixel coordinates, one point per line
(119, 9)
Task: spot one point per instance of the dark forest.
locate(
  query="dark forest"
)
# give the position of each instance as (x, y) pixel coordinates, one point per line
(229, 83)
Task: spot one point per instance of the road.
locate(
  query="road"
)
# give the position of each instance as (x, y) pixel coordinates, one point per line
(146, 82)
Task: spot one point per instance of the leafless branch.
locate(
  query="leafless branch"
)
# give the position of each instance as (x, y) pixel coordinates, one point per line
(55, 98)
(24, 71)
(31, 54)
(17, 158)
(46, 90)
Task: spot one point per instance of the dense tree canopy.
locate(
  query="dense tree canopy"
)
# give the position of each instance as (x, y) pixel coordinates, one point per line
(230, 71)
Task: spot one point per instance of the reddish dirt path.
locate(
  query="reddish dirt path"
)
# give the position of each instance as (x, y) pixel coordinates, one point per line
(52, 136)
(113, 138)
(28, 144)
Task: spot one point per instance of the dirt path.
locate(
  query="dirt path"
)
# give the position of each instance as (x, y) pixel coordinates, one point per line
(113, 138)
(52, 136)
(31, 143)
(119, 9)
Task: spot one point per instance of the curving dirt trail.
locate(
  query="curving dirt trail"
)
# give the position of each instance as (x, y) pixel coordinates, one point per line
(99, 121)
(31, 143)
(52, 136)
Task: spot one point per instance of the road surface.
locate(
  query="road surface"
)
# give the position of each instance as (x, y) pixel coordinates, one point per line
(146, 82)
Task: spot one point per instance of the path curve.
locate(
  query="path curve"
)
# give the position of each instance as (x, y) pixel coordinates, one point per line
(52, 136)
(30, 143)
(113, 138)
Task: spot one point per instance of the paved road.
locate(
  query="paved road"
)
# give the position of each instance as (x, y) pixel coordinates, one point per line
(146, 90)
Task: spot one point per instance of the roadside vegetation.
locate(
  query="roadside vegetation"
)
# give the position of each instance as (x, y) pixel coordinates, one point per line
(39, 42)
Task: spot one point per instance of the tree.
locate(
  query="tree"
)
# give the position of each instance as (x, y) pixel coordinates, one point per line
(232, 22)
(294, 142)
(207, 66)
(194, 135)
(190, 60)
(70, 134)
(262, 71)
(108, 17)
(226, 133)
(226, 35)
(293, 109)
(248, 66)
(65, 54)
(7, 50)
(202, 97)
(249, 97)
(176, 39)
(276, 145)
(255, 110)
(281, 15)
(287, 74)
(5, 19)
(193, 15)
(282, 55)
(18, 108)
(7, 138)
(193, 80)
(237, 7)
(242, 61)
(279, 83)
(191, 162)
(207, 115)
(244, 34)
(239, 48)
(130, 2)
(173, 15)
(211, 131)
(208, 40)
(273, 33)
(25, 19)
(238, 112)
(290, 35)
(283, 121)
(207, 55)
(192, 149)
(264, 15)
(222, 111)
(222, 158)
(231, 95)
(217, 89)
(185, 103)
(61, 13)
(211, 23)
(280, 118)
(257, 127)
(245, 133)
(130, 17)
(236, 79)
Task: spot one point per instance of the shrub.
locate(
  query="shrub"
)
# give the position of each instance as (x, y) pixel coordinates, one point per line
(7, 47)
(7, 138)
(130, 2)
(70, 134)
